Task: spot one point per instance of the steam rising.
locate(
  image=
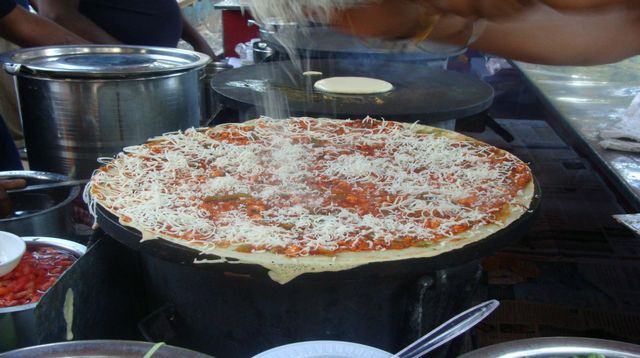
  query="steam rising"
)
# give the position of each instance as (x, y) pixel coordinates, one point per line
(299, 11)
(288, 22)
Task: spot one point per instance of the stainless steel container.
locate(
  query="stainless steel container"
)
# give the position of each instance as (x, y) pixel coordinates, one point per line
(46, 213)
(211, 101)
(557, 347)
(18, 323)
(103, 349)
(79, 103)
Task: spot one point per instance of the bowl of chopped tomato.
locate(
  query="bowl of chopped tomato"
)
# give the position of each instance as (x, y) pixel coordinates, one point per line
(12, 248)
(43, 262)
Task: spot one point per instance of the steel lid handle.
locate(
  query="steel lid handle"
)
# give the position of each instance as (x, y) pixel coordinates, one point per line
(12, 68)
(15, 69)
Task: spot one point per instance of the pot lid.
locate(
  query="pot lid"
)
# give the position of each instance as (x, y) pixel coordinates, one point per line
(559, 347)
(102, 61)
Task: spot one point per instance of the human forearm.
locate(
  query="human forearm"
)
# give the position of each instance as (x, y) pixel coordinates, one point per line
(66, 14)
(26, 30)
(574, 35)
(195, 39)
(547, 36)
(494, 9)
(586, 4)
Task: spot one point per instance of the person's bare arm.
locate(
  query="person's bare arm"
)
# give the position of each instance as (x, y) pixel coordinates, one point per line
(538, 34)
(587, 4)
(495, 9)
(546, 36)
(65, 13)
(26, 30)
(193, 37)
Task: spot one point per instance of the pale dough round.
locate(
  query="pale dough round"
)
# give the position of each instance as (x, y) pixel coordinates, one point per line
(353, 85)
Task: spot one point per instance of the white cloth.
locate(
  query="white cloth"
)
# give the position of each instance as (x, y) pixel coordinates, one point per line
(624, 135)
(497, 64)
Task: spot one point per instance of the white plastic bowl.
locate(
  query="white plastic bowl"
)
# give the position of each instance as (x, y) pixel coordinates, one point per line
(12, 248)
(324, 349)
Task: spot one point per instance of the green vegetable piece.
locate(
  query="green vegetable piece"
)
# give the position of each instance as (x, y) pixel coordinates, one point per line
(225, 198)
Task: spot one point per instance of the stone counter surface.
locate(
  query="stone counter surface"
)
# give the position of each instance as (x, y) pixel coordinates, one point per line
(587, 100)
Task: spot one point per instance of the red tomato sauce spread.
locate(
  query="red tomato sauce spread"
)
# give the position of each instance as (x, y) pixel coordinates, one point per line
(303, 186)
(37, 271)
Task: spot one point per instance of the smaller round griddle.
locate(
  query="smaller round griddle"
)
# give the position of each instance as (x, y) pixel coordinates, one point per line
(171, 252)
(421, 93)
(325, 42)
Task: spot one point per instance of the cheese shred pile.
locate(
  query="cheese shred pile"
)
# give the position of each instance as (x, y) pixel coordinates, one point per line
(422, 186)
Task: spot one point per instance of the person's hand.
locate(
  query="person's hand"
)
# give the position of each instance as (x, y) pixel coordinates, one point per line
(5, 203)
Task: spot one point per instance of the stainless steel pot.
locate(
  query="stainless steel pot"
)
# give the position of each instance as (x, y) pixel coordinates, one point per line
(557, 347)
(46, 213)
(18, 323)
(79, 103)
(102, 349)
(211, 98)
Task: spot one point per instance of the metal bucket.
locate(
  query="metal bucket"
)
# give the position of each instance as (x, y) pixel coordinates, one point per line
(81, 103)
(46, 213)
(211, 101)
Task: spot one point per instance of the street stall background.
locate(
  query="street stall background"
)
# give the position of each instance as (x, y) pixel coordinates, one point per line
(576, 272)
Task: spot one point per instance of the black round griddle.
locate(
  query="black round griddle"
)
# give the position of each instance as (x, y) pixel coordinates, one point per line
(171, 252)
(324, 42)
(421, 93)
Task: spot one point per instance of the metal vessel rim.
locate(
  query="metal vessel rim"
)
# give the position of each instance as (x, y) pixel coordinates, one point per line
(26, 174)
(551, 346)
(22, 57)
(72, 246)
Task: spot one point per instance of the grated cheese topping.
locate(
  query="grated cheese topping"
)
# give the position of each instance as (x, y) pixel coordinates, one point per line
(306, 187)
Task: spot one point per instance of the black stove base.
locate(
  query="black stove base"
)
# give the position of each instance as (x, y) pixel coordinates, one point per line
(229, 315)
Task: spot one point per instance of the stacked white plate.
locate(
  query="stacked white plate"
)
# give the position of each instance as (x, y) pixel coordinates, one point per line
(324, 349)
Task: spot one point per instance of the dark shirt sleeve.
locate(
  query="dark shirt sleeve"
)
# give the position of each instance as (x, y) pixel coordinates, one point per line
(9, 157)
(137, 22)
(6, 6)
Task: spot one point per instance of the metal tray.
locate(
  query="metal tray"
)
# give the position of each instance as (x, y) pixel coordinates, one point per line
(557, 347)
(38, 241)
